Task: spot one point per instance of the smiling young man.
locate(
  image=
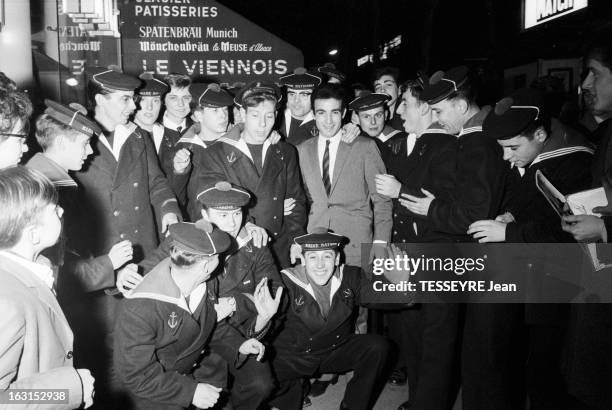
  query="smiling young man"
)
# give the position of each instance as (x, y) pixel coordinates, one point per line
(372, 113)
(425, 334)
(246, 157)
(386, 81)
(317, 326)
(339, 178)
(123, 190)
(477, 194)
(297, 124)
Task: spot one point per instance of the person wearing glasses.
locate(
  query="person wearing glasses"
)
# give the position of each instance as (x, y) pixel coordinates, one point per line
(15, 111)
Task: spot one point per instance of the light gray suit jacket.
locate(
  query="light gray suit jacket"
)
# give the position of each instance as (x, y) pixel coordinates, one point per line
(353, 208)
(35, 338)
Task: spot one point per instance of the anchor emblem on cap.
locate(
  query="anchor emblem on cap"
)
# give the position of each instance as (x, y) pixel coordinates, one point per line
(231, 157)
(172, 322)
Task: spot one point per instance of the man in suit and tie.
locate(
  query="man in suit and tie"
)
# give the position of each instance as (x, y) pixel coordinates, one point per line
(339, 178)
(36, 340)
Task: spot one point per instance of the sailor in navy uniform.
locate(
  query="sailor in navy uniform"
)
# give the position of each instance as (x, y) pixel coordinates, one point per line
(123, 190)
(211, 116)
(318, 327)
(532, 141)
(425, 334)
(245, 156)
(372, 113)
(478, 194)
(247, 272)
(149, 100)
(297, 124)
(168, 327)
(64, 133)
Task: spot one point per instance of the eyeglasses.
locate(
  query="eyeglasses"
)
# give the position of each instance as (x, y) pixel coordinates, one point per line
(8, 134)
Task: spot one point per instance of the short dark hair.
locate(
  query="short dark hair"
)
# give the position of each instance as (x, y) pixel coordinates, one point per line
(543, 121)
(94, 88)
(392, 71)
(25, 193)
(257, 98)
(327, 91)
(15, 105)
(414, 87)
(177, 80)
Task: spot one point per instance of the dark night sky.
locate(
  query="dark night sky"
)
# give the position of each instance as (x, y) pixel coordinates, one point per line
(482, 31)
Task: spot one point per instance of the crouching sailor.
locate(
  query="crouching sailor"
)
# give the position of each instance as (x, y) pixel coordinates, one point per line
(318, 335)
(168, 326)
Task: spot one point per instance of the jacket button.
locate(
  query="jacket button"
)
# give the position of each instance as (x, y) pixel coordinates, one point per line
(122, 236)
(116, 213)
(203, 350)
(274, 199)
(136, 208)
(310, 339)
(135, 230)
(69, 355)
(135, 184)
(275, 233)
(337, 336)
(195, 365)
(274, 217)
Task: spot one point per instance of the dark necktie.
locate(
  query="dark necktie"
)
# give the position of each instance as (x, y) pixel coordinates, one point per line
(326, 180)
(110, 137)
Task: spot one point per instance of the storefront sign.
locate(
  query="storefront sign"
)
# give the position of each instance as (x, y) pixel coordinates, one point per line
(203, 39)
(542, 11)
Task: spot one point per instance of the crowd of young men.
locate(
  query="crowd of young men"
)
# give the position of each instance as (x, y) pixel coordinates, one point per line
(213, 254)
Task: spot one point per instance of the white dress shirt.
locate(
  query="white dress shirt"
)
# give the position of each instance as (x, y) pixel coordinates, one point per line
(334, 142)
